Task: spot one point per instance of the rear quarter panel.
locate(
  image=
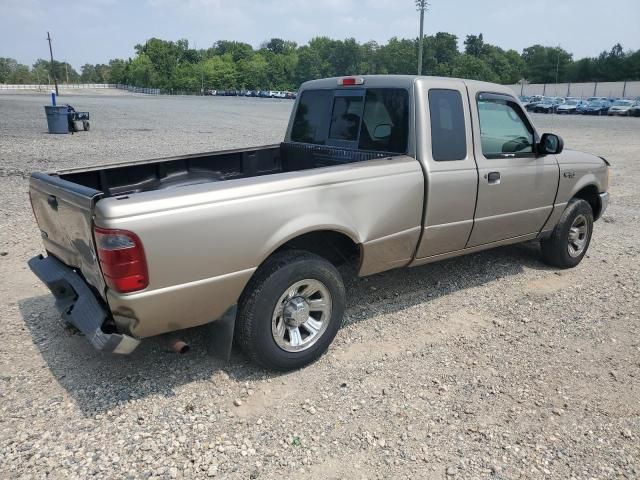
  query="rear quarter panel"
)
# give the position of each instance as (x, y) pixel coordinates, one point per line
(204, 242)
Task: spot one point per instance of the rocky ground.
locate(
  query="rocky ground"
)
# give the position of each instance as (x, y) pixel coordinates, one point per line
(487, 366)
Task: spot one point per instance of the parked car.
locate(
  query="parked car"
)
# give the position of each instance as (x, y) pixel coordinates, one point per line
(251, 239)
(291, 95)
(533, 101)
(596, 107)
(211, 92)
(548, 105)
(524, 100)
(621, 107)
(570, 106)
(582, 107)
(635, 111)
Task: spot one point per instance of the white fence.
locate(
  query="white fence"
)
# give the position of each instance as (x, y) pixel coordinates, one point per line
(78, 86)
(65, 86)
(592, 89)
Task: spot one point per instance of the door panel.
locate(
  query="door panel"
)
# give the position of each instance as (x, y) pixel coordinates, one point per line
(451, 173)
(516, 188)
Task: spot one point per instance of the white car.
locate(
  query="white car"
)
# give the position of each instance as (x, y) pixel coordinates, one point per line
(621, 107)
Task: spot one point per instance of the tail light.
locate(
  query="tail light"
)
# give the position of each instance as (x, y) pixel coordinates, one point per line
(122, 260)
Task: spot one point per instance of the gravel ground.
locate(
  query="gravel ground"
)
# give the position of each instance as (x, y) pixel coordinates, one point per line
(486, 366)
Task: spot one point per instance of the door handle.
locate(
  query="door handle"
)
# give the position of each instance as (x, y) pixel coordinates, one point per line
(493, 178)
(52, 201)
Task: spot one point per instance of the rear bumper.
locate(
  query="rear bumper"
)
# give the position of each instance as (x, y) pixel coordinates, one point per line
(78, 305)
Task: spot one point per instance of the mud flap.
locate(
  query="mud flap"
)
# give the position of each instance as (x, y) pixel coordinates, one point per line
(221, 332)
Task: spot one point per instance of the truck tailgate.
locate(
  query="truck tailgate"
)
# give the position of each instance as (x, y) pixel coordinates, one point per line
(64, 212)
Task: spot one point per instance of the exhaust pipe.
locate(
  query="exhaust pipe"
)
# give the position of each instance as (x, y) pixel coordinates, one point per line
(176, 345)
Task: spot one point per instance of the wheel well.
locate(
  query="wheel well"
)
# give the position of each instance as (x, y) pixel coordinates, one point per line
(336, 247)
(591, 195)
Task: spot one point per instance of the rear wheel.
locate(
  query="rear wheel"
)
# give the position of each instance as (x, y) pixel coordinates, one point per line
(570, 239)
(291, 311)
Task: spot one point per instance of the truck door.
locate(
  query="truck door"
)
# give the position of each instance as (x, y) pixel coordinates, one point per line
(516, 187)
(445, 149)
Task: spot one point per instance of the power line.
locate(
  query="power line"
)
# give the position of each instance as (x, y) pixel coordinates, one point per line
(422, 6)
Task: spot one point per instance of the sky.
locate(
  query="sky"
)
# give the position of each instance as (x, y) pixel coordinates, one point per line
(94, 31)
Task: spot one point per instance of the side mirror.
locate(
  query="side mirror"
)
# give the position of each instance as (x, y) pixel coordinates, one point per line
(550, 144)
(382, 131)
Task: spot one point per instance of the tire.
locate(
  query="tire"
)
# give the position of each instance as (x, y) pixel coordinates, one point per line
(282, 282)
(559, 250)
(86, 125)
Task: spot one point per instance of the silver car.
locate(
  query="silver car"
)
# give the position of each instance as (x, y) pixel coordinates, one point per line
(622, 107)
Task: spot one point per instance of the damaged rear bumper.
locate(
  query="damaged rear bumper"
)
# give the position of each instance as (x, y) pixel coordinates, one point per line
(78, 305)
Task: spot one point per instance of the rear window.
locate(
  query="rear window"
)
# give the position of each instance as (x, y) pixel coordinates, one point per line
(311, 123)
(345, 118)
(375, 119)
(448, 137)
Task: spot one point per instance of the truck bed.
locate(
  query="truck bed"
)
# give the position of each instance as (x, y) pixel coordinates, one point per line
(148, 175)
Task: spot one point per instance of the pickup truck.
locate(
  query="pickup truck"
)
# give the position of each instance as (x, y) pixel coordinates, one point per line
(375, 173)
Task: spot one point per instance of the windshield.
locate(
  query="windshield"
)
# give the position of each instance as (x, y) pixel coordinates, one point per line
(623, 103)
(596, 104)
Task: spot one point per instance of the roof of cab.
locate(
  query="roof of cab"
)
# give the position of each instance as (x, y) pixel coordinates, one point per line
(399, 81)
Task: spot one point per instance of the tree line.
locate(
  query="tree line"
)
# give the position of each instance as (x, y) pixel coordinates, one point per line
(283, 65)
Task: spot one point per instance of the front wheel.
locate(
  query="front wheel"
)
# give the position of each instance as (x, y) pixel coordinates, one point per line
(291, 310)
(570, 239)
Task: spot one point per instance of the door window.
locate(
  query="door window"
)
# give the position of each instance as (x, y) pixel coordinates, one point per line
(504, 129)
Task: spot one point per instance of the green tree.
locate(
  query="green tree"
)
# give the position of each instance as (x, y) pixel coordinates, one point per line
(473, 68)
(88, 74)
(474, 45)
(237, 50)
(283, 65)
(399, 56)
(220, 73)
(544, 64)
(7, 67)
(20, 75)
(118, 70)
(142, 73)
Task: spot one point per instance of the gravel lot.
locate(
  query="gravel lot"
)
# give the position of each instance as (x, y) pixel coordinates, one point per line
(486, 366)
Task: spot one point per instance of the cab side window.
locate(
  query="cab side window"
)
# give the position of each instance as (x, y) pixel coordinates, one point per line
(504, 129)
(448, 136)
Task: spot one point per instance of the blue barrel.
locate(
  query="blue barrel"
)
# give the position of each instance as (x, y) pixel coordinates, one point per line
(57, 119)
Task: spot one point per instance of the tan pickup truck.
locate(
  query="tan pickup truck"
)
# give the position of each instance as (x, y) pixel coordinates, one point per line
(376, 172)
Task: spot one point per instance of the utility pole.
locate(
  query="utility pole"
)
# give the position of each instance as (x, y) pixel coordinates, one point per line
(422, 6)
(53, 73)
